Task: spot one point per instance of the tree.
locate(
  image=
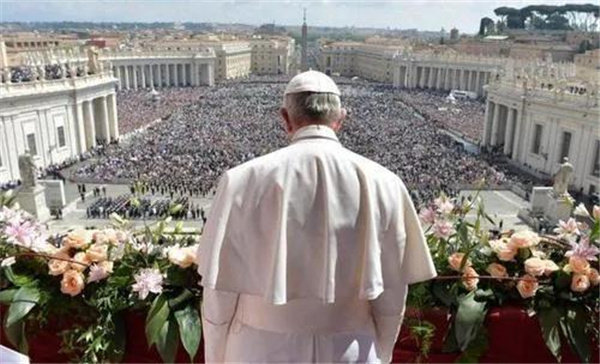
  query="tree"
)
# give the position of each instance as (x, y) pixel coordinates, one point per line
(582, 16)
(486, 26)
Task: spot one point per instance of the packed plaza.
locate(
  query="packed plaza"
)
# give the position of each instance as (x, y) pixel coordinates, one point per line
(204, 131)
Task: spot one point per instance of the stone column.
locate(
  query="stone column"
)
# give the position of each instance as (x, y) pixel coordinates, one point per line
(90, 125)
(489, 110)
(143, 76)
(495, 124)
(518, 136)
(113, 121)
(103, 120)
(177, 74)
(80, 126)
(159, 75)
(184, 74)
(469, 80)
(118, 75)
(126, 68)
(209, 78)
(151, 75)
(478, 83)
(446, 78)
(135, 76)
(430, 77)
(508, 134)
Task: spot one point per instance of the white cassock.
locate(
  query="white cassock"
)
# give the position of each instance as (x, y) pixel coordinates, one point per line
(307, 256)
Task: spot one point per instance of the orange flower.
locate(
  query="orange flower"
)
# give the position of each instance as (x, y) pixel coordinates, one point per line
(72, 283)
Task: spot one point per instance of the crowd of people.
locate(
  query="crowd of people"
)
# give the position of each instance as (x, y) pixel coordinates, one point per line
(145, 208)
(139, 108)
(462, 116)
(209, 130)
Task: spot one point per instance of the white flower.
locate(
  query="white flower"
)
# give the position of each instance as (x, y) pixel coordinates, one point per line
(147, 280)
(580, 210)
(7, 262)
(100, 271)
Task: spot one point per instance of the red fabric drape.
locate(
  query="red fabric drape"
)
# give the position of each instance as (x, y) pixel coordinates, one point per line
(514, 337)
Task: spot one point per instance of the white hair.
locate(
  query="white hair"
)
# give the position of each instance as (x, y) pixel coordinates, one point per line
(313, 107)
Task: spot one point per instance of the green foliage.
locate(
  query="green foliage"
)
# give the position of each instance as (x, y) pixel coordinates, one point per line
(549, 319)
(423, 332)
(469, 318)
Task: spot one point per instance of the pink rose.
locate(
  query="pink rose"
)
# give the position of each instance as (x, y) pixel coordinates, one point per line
(80, 262)
(470, 278)
(535, 266)
(527, 286)
(524, 239)
(580, 283)
(97, 252)
(182, 257)
(72, 283)
(579, 264)
(443, 229)
(99, 237)
(594, 277)
(504, 251)
(57, 267)
(497, 270)
(74, 240)
(456, 259)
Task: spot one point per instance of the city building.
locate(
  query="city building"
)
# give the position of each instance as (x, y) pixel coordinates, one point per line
(272, 55)
(536, 120)
(55, 119)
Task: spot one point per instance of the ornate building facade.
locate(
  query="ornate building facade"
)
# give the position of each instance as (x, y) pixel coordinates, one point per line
(537, 120)
(55, 118)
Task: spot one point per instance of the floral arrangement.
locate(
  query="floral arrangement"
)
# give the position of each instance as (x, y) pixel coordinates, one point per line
(98, 275)
(554, 276)
(95, 276)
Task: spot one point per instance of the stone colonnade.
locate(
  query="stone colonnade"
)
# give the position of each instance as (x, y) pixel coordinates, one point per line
(97, 121)
(502, 126)
(141, 74)
(443, 77)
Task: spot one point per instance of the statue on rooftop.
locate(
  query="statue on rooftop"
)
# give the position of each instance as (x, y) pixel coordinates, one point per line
(93, 65)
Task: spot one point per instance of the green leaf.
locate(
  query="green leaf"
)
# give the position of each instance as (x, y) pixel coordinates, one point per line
(168, 341)
(16, 336)
(574, 328)
(7, 295)
(157, 316)
(468, 320)
(442, 291)
(118, 341)
(177, 302)
(476, 348)
(24, 301)
(550, 324)
(189, 329)
(18, 280)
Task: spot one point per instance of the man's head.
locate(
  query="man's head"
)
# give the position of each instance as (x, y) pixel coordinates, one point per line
(312, 98)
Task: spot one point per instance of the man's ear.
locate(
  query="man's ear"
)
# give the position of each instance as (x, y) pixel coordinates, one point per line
(287, 124)
(337, 125)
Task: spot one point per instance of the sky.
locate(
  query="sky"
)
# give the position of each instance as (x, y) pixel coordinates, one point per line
(399, 14)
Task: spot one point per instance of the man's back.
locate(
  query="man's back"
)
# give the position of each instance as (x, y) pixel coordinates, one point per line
(307, 252)
(310, 204)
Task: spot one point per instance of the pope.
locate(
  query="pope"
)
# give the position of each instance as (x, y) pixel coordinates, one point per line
(308, 251)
